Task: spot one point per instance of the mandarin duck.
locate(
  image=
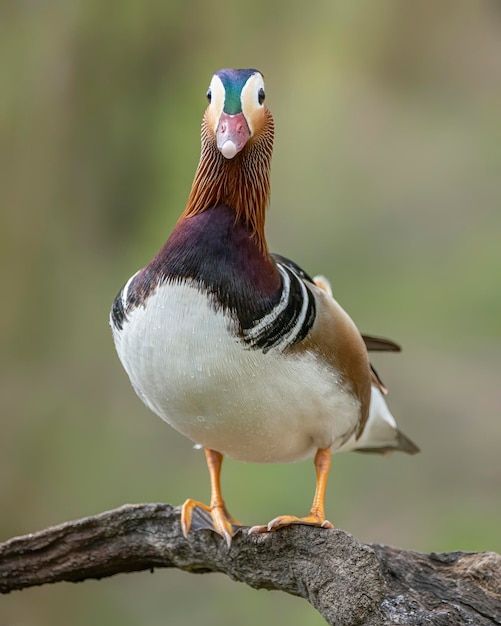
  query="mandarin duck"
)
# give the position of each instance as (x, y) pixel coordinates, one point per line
(238, 349)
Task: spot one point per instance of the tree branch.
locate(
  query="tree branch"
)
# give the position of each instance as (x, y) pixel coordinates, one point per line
(349, 583)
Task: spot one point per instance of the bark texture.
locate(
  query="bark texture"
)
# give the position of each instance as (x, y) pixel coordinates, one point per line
(348, 582)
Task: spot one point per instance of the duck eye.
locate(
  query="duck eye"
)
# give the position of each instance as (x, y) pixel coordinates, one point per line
(260, 96)
(209, 95)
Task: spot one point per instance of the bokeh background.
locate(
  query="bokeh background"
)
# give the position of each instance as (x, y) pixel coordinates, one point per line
(386, 178)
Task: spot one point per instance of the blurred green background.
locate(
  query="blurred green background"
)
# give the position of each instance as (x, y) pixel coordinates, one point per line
(386, 178)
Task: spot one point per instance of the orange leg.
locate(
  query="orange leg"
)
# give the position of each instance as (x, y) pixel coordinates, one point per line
(219, 519)
(317, 514)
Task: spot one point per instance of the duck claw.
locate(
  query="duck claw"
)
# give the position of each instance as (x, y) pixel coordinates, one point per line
(289, 520)
(198, 516)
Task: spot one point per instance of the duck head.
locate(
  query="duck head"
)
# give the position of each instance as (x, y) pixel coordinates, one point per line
(236, 113)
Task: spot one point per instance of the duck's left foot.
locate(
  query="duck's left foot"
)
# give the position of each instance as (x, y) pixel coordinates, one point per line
(317, 515)
(289, 520)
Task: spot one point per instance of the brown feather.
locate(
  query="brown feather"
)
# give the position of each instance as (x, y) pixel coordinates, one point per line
(337, 341)
(242, 183)
(378, 382)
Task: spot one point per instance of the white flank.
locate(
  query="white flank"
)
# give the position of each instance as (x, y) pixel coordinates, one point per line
(380, 430)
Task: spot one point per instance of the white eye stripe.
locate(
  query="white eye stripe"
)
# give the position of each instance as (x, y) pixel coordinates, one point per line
(218, 94)
(250, 98)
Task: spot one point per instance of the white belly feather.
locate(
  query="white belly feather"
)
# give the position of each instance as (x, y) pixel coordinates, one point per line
(187, 364)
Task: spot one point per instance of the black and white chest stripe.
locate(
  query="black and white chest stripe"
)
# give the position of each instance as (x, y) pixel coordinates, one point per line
(283, 324)
(122, 305)
(291, 318)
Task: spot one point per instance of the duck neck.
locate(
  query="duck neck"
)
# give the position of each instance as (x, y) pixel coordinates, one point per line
(242, 183)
